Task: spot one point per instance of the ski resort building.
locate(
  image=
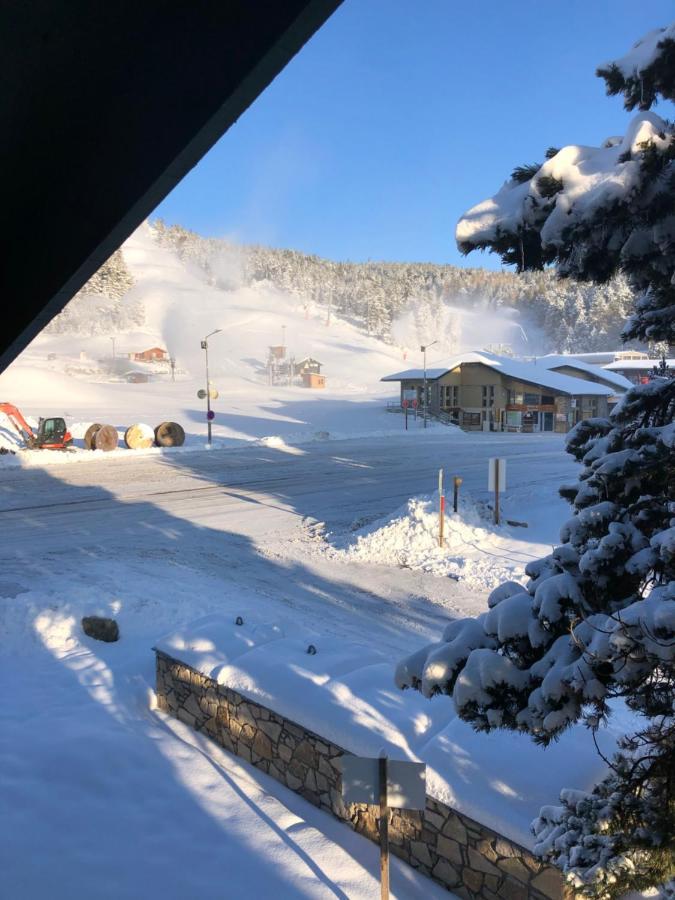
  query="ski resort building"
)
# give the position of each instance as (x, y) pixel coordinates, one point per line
(480, 391)
(576, 368)
(150, 355)
(636, 371)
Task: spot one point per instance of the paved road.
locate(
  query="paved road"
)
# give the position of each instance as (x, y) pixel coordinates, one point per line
(238, 518)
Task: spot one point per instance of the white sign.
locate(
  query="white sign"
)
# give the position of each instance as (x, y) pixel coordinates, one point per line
(492, 467)
(406, 782)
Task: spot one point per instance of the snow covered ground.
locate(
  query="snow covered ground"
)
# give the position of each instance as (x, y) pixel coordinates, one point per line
(311, 519)
(68, 375)
(94, 776)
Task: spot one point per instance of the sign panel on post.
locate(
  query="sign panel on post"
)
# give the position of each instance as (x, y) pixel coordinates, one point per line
(497, 468)
(406, 782)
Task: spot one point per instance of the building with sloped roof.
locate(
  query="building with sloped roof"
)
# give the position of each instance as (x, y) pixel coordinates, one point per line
(479, 390)
(577, 368)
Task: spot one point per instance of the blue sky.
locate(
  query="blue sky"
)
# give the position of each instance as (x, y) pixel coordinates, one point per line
(400, 114)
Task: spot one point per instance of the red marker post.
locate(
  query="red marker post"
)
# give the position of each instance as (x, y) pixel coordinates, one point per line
(414, 403)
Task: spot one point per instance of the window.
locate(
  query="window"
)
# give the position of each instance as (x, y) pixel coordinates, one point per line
(515, 398)
(471, 419)
(488, 395)
(450, 395)
(531, 399)
(547, 400)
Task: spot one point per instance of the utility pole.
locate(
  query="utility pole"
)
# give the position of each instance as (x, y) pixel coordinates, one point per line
(424, 348)
(209, 414)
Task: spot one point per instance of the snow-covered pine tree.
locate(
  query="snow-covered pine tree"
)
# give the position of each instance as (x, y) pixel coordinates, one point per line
(596, 620)
(103, 305)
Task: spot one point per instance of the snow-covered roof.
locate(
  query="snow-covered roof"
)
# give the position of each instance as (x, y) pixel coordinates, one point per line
(645, 365)
(513, 368)
(553, 361)
(415, 374)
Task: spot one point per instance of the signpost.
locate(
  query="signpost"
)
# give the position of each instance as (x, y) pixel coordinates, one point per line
(497, 480)
(415, 405)
(405, 410)
(456, 482)
(441, 508)
(385, 783)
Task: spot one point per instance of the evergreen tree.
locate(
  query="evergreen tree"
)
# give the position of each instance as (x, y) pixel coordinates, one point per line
(596, 620)
(104, 304)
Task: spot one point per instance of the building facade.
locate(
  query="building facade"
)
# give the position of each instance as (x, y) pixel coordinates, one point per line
(482, 392)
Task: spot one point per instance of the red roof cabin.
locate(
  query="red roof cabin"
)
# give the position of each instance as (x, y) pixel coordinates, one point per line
(152, 354)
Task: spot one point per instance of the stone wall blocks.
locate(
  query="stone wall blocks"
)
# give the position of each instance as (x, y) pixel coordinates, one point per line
(245, 715)
(454, 829)
(306, 754)
(434, 819)
(271, 729)
(479, 864)
(262, 745)
(449, 849)
(549, 882)
(284, 752)
(293, 783)
(513, 866)
(472, 879)
(446, 873)
(420, 852)
(294, 731)
(486, 849)
(472, 861)
(506, 848)
(513, 890)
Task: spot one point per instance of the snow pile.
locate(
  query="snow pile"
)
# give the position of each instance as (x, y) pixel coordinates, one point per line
(474, 551)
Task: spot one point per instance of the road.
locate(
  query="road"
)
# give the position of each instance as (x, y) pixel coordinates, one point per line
(240, 517)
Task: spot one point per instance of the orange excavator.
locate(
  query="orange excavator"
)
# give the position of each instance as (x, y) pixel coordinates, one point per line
(52, 433)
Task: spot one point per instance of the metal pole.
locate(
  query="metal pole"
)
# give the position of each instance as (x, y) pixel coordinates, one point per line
(113, 343)
(425, 387)
(441, 508)
(208, 393)
(384, 830)
(455, 497)
(496, 491)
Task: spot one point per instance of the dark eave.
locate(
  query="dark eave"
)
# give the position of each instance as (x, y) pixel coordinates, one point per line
(105, 106)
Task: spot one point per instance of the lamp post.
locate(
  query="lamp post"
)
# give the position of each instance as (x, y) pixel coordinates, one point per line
(205, 348)
(424, 349)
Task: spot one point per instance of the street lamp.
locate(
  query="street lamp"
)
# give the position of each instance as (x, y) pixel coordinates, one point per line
(424, 348)
(209, 414)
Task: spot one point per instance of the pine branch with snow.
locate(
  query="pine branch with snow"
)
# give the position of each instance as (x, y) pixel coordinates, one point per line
(595, 623)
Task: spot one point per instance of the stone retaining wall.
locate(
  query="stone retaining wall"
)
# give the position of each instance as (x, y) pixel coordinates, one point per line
(464, 856)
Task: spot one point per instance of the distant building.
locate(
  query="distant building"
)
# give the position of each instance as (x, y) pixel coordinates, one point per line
(278, 352)
(637, 371)
(482, 391)
(154, 353)
(307, 365)
(571, 365)
(312, 380)
(602, 357)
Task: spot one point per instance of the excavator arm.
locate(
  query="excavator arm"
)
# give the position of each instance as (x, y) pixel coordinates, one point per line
(23, 428)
